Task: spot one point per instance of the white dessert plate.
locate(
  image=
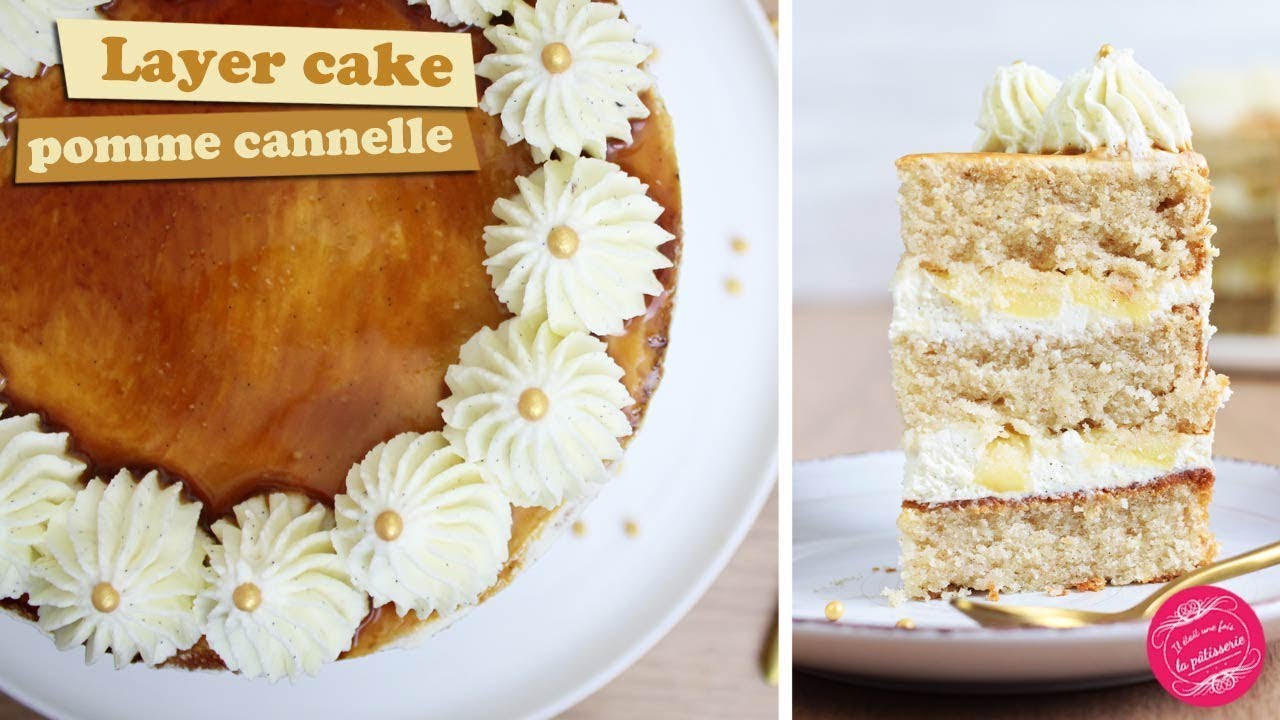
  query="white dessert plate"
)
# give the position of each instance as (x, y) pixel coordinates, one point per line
(694, 479)
(844, 515)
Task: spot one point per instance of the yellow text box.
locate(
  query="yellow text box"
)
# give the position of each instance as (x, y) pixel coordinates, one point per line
(250, 63)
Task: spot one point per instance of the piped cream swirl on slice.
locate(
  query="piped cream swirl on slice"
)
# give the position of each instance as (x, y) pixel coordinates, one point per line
(1114, 104)
(419, 527)
(1013, 105)
(37, 481)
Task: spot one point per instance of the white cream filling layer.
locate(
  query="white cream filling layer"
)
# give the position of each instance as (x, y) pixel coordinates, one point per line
(971, 461)
(1011, 304)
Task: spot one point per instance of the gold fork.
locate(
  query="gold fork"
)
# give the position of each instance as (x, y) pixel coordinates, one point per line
(991, 615)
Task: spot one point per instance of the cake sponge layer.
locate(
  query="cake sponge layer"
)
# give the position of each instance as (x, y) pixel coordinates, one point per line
(1152, 374)
(1142, 533)
(1144, 218)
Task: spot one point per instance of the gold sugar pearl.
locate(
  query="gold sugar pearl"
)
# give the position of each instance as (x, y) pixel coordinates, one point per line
(740, 245)
(562, 242)
(579, 528)
(388, 525)
(247, 597)
(834, 610)
(556, 57)
(1105, 50)
(733, 286)
(905, 624)
(105, 598)
(631, 528)
(533, 404)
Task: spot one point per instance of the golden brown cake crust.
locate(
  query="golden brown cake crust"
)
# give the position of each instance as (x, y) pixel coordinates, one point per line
(132, 325)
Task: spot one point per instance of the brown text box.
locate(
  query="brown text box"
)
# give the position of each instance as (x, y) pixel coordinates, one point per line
(219, 145)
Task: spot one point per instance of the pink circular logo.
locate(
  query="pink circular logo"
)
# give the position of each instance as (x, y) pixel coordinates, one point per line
(1205, 645)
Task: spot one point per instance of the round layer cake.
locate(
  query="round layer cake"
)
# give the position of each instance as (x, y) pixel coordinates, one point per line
(467, 352)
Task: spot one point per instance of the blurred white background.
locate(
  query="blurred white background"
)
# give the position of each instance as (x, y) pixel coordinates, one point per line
(874, 81)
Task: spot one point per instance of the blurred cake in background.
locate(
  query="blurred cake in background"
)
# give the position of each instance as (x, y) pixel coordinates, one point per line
(1236, 120)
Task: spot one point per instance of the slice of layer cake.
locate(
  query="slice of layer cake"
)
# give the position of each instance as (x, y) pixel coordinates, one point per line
(1051, 316)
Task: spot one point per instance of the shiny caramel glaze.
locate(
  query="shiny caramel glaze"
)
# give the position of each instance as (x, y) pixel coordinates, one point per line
(249, 334)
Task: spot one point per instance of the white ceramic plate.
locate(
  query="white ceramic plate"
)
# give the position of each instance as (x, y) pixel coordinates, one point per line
(844, 515)
(694, 479)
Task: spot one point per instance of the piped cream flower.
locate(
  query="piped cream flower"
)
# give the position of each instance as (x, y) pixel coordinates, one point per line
(420, 527)
(465, 12)
(566, 75)
(28, 32)
(37, 480)
(540, 412)
(120, 570)
(1114, 104)
(1013, 104)
(580, 243)
(281, 602)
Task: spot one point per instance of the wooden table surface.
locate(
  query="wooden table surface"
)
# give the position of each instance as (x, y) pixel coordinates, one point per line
(844, 404)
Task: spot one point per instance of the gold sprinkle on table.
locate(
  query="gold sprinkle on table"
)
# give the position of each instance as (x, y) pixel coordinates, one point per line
(740, 245)
(733, 286)
(905, 624)
(247, 597)
(579, 528)
(104, 597)
(556, 57)
(388, 525)
(631, 528)
(533, 404)
(834, 610)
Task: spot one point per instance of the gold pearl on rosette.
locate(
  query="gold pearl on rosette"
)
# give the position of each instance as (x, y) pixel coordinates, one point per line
(247, 597)
(105, 598)
(388, 525)
(556, 57)
(562, 242)
(533, 404)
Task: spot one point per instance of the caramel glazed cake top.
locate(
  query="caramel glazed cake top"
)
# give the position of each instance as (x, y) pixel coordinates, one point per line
(261, 424)
(1051, 313)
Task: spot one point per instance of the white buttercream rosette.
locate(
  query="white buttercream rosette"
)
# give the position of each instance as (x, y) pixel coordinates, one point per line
(566, 75)
(541, 412)
(578, 243)
(37, 480)
(28, 37)
(120, 570)
(419, 527)
(465, 12)
(281, 602)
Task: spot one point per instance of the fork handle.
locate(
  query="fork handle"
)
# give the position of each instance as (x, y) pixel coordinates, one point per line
(1257, 559)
